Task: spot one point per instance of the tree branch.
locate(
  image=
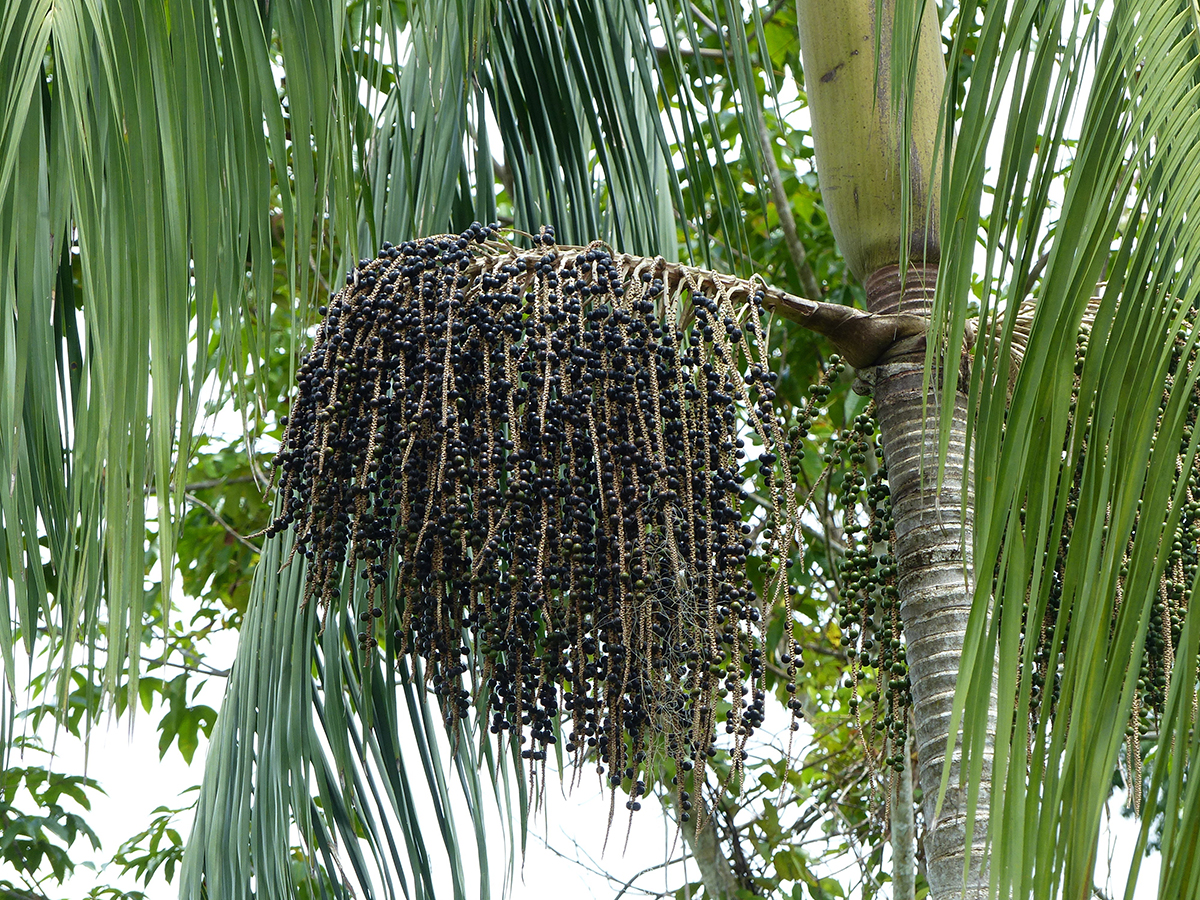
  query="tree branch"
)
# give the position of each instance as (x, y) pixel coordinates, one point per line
(229, 529)
(199, 670)
(720, 882)
(787, 221)
(151, 490)
(743, 865)
(1034, 274)
(646, 871)
(703, 52)
(210, 483)
(706, 21)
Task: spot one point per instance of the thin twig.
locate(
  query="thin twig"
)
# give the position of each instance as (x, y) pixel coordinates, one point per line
(207, 484)
(787, 221)
(210, 483)
(735, 840)
(596, 870)
(322, 284)
(646, 871)
(200, 670)
(703, 52)
(1034, 274)
(706, 21)
(862, 863)
(229, 529)
(588, 868)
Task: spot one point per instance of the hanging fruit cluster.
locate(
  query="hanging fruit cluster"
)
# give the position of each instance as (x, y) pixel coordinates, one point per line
(532, 462)
(868, 610)
(1176, 587)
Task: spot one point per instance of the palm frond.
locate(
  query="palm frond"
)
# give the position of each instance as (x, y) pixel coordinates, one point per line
(136, 176)
(1123, 434)
(306, 759)
(588, 112)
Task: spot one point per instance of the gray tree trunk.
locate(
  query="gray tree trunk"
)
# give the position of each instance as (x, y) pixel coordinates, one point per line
(904, 832)
(935, 579)
(720, 881)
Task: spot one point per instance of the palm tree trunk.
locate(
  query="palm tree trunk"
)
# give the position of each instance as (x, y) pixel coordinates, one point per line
(880, 188)
(933, 540)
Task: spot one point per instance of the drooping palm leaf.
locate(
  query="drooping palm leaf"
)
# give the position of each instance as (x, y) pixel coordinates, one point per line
(1130, 196)
(136, 187)
(576, 91)
(337, 784)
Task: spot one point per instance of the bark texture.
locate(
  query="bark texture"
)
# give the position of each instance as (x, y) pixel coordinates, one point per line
(935, 577)
(720, 881)
(904, 837)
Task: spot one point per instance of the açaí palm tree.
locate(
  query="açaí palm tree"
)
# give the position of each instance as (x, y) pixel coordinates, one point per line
(1042, 603)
